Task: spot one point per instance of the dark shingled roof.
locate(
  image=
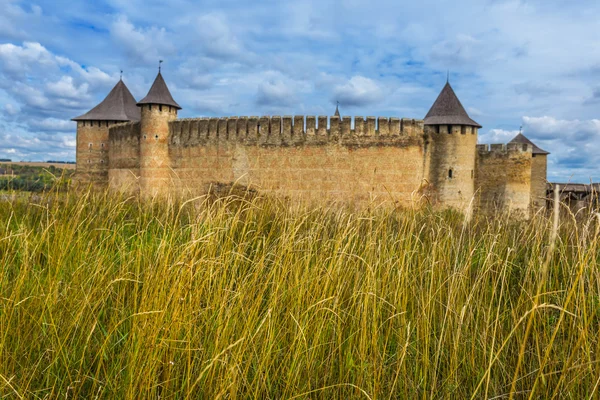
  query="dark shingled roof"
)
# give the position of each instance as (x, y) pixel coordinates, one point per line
(159, 94)
(520, 138)
(119, 105)
(447, 110)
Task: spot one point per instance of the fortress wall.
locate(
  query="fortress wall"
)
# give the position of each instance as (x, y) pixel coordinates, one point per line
(452, 169)
(155, 168)
(503, 178)
(538, 181)
(92, 152)
(124, 155)
(310, 158)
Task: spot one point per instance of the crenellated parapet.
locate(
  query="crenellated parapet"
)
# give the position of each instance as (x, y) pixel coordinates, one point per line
(124, 156)
(503, 178)
(294, 131)
(504, 149)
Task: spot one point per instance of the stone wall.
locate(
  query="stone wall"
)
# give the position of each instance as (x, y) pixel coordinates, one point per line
(124, 157)
(503, 178)
(538, 181)
(452, 176)
(92, 153)
(356, 161)
(155, 165)
(351, 160)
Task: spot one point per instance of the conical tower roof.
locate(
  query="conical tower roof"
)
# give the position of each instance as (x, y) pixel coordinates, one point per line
(337, 109)
(520, 138)
(447, 110)
(119, 105)
(159, 94)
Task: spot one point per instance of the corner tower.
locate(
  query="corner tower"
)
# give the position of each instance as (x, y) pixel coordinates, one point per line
(539, 167)
(92, 134)
(157, 109)
(453, 136)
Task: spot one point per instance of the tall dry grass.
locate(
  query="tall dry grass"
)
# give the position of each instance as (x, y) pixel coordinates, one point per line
(106, 297)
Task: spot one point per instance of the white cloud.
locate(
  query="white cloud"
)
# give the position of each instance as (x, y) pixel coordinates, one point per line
(216, 38)
(550, 127)
(66, 87)
(11, 109)
(53, 124)
(498, 136)
(462, 49)
(358, 91)
(21, 59)
(275, 93)
(148, 45)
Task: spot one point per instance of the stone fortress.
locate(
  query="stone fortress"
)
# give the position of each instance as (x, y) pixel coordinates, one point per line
(143, 148)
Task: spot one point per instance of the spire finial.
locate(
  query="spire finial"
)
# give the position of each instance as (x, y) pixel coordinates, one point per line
(121, 78)
(521, 129)
(159, 63)
(448, 76)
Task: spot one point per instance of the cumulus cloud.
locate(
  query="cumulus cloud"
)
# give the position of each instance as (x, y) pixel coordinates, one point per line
(141, 44)
(18, 60)
(53, 124)
(358, 91)
(66, 87)
(11, 109)
(498, 136)
(275, 93)
(217, 39)
(462, 49)
(572, 130)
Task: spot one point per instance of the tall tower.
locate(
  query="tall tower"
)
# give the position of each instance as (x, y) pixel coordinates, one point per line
(538, 172)
(453, 135)
(157, 109)
(92, 134)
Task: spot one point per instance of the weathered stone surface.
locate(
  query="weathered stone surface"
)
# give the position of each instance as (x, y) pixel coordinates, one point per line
(394, 160)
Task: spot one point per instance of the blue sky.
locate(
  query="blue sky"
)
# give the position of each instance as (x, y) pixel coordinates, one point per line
(530, 63)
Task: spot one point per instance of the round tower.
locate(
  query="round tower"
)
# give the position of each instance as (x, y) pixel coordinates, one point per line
(157, 109)
(92, 160)
(453, 137)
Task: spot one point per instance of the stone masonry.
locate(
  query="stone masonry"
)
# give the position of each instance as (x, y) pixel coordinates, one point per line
(359, 161)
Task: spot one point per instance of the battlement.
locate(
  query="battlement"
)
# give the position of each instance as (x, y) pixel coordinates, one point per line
(124, 131)
(504, 149)
(293, 130)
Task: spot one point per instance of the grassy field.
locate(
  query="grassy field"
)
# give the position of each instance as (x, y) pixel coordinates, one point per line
(39, 164)
(103, 297)
(34, 177)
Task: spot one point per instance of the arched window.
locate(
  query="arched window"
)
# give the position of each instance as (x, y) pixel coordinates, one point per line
(450, 173)
(160, 107)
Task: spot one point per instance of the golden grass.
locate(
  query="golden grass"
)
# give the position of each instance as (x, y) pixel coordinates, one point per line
(106, 297)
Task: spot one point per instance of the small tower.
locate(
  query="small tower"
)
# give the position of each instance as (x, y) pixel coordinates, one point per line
(157, 109)
(337, 110)
(538, 172)
(453, 135)
(92, 134)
